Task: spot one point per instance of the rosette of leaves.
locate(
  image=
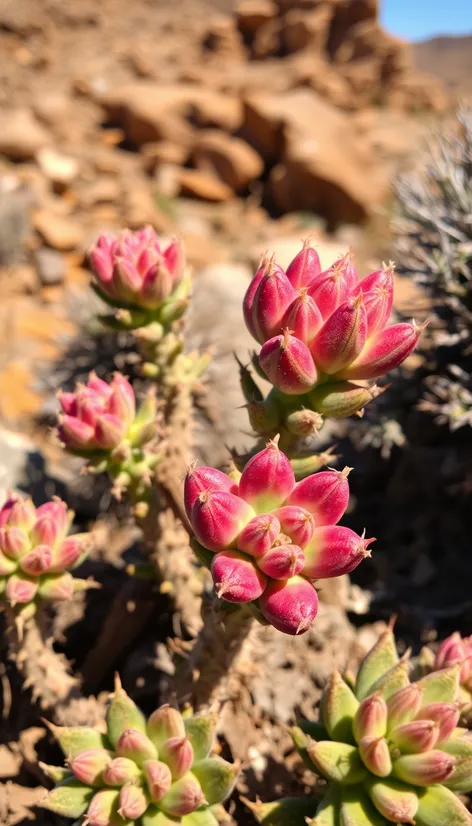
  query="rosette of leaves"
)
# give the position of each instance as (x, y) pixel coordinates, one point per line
(155, 772)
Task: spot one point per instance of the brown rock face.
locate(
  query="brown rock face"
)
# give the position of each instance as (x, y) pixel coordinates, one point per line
(230, 159)
(197, 184)
(324, 166)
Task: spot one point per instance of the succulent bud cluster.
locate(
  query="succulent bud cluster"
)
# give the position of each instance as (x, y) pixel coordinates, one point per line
(390, 749)
(457, 650)
(99, 421)
(322, 332)
(155, 772)
(36, 554)
(269, 537)
(143, 277)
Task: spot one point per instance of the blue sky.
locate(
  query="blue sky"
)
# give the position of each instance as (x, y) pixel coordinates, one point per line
(421, 19)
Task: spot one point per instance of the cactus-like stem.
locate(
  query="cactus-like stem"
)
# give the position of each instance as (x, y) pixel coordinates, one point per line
(47, 673)
(205, 676)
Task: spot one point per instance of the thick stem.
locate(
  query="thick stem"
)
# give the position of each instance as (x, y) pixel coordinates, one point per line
(204, 676)
(47, 673)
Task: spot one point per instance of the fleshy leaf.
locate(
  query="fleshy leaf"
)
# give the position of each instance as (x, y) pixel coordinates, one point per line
(204, 817)
(439, 806)
(391, 682)
(339, 762)
(301, 742)
(327, 813)
(357, 810)
(74, 740)
(394, 800)
(201, 733)
(70, 799)
(154, 817)
(216, 777)
(123, 714)
(441, 686)
(461, 779)
(338, 706)
(289, 811)
(380, 659)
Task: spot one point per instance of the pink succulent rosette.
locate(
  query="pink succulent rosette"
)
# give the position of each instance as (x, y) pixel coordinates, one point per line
(457, 650)
(322, 332)
(136, 269)
(36, 555)
(271, 537)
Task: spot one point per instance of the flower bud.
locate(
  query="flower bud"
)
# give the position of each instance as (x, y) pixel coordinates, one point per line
(20, 589)
(370, 719)
(177, 752)
(267, 479)
(122, 402)
(342, 337)
(236, 578)
(445, 715)
(248, 301)
(377, 289)
(69, 552)
(304, 267)
(123, 714)
(14, 542)
(424, 769)
(158, 779)
(45, 531)
(205, 480)
(216, 778)
(297, 523)
(109, 431)
(303, 422)
(218, 518)
(334, 551)
(88, 766)
(134, 745)
(18, 513)
(37, 561)
(416, 736)
(303, 317)
(282, 562)
(184, 797)
(259, 534)
(272, 299)
(288, 364)
(330, 288)
(290, 606)
(74, 433)
(384, 351)
(375, 755)
(165, 722)
(404, 705)
(56, 587)
(325, 495)
(396, 802)
(340, 399)
(263, 416)
(119, 771)
(103, 809)
(133, 801)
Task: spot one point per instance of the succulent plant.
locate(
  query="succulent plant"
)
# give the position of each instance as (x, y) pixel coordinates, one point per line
(434, 240)
(36, 555)
(389, 749)
(266, 538)
(323, 337)
(99, 422)
(155, 772)
(142, 277)
(454, 650)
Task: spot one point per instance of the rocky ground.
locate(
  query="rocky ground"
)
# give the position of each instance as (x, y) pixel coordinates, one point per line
(240, 129)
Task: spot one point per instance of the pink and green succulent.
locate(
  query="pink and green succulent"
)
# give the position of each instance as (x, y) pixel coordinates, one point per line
(155, 772)
(390, 750)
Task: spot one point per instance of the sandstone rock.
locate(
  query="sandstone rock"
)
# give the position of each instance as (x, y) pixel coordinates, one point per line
(307, 30)
(198, 184)
(364, 80)
(163, 152)
(140, 209)
(21, 136)
(149, 112)
(50, 266)
(52, 108)
(16, 202)
(59, 169)
(58, 232)
(252, 14)
(223, 39)
(416, 92)
(268, 39)
(314, 72)
(230, 159)
(104, 190)
(324, 166)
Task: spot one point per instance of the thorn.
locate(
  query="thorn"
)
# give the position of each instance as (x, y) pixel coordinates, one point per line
(274, 443)
(117, 686)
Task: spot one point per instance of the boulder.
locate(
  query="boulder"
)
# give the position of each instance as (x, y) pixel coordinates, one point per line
(230, 159)
(252, 14)
(203, 185)
(149, 112)
(323, 165)
(57, 231)
(306, 30)
(21, 136)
